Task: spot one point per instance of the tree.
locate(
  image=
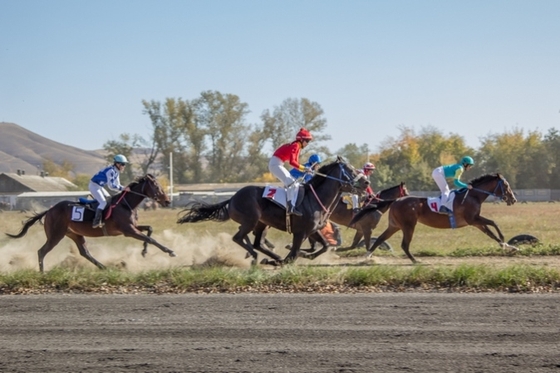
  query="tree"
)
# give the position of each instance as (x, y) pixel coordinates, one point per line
(285, 121)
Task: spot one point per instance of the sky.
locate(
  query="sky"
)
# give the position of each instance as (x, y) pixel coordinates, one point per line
(76, 71)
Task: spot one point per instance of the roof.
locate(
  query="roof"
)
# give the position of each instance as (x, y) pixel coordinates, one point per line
(40, 183)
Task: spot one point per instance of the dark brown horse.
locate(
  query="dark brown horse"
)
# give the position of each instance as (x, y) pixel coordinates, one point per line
(254, 213)
(122, 221)
(406, 212)
(343, 215)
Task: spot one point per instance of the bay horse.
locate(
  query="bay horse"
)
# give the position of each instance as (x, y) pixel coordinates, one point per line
(255, 213)
(343, 215)
(58, 220)
(406, 212)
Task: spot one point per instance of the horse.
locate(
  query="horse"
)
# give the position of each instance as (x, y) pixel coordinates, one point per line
(343, 215)
(255, 213)
(60, 220)
(406, 212)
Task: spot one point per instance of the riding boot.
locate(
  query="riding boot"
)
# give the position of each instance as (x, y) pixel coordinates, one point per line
(98, 219)
(292, 210)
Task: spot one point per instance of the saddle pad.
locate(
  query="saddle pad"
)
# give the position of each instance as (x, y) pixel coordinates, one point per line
(434, 202)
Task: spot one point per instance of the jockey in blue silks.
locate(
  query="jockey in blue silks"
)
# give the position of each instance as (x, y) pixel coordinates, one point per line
(109, 177)
(312, 164)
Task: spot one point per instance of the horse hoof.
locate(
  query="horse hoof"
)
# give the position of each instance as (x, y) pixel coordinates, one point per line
(172, 254)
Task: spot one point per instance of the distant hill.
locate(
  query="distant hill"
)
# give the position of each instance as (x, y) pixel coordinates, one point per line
(25, 150)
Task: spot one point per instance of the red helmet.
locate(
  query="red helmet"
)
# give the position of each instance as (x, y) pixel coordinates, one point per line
(369, 166)
(304, 134)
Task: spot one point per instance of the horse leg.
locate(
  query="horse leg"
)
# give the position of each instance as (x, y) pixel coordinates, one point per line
(260, 231)
(408, 232)
(132, 231)
(54, 235)
(483, 223)
(242, 239)
(382, 238)
(297, 240)
(149, 229)
(81, 243)
(316, 237)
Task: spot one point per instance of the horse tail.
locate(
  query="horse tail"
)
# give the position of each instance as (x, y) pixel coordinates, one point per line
(200, 211)
(28, 223)
(376, 206)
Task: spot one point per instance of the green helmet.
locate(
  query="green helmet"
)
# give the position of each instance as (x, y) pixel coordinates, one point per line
(467, 160)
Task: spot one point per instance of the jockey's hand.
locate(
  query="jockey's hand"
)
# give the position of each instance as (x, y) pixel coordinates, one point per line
(469, 187)
(127, 189)
(308, 170)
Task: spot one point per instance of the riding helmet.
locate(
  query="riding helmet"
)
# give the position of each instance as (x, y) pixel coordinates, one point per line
(119, 158)
(304, 134)
(467, 160)
(369, 166)
(315, 159)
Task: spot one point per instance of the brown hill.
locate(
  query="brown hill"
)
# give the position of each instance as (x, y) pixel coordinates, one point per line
(21, 149)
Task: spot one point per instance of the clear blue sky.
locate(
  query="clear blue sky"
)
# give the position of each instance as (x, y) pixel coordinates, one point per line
(76, 71)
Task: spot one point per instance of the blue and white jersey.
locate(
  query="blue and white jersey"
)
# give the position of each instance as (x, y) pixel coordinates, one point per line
(108, 176)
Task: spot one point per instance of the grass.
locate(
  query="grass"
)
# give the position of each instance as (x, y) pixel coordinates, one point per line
(537, 219)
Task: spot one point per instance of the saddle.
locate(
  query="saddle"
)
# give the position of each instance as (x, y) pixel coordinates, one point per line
(278, 195)
(84, 209)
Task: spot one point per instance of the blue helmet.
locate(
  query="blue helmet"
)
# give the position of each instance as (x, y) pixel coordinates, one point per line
(315, 159)
(119, 158)
(467, 160)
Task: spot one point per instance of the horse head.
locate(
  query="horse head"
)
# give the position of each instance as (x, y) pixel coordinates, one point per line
(394, 192)
(150, 188)
(348, 178)
(495, 185)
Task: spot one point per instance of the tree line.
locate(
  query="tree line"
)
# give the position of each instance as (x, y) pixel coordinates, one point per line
(212, 142)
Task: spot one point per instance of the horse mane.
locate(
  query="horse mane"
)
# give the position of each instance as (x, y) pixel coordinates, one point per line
(317, 180)
(140, 179)
(484, 178)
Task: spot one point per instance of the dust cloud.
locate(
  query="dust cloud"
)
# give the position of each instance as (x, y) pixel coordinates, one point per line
(126, 253)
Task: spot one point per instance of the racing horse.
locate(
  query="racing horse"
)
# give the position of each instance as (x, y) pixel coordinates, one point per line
(406, 212)
(254, 213)
(343, 215)
(59, 220)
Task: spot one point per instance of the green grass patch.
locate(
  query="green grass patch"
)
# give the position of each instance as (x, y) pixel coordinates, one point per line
(288, 278)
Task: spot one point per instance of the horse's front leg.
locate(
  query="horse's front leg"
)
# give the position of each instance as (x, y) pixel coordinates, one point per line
(145, 228)
(297, 240)
(483, 223)
(134, 232)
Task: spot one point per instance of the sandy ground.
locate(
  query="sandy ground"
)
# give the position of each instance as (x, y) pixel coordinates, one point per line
(281, 333)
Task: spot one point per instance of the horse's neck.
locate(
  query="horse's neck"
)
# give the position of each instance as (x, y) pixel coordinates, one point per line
(133, 199)
(328, 192)
(390, 193)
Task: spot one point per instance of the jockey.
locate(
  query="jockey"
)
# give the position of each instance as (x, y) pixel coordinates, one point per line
(290, 153)
(313, 163)
(366, 170)
(454, 171)
(109, 176)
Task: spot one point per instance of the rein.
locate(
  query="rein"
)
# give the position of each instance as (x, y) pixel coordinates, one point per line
(500, 185)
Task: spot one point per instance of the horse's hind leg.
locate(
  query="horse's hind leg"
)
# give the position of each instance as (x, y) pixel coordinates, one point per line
(81, 243)
(259, 244)
(382, 238)
(53, 238)
(405, 244)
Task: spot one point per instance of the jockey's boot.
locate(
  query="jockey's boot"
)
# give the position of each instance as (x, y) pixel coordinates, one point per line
(292, 210)
(355, 211)
(445, 210)
(98, 219)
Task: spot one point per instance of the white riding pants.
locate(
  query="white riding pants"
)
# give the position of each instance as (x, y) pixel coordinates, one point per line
(276, 167)
(99, 193)
(439, 178)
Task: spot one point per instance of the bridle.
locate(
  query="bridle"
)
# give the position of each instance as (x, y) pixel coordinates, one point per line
(348, 179)
(500, 185)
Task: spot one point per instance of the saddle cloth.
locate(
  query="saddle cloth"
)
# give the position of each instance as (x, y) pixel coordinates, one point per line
(278, 194)
(435, 202)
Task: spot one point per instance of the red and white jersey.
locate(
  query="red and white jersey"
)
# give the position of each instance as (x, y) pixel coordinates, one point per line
(289, 153)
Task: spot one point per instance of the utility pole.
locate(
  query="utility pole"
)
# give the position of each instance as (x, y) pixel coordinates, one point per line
(171, 178)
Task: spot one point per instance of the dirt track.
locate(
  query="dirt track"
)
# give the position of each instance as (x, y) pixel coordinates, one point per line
(281, 333)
